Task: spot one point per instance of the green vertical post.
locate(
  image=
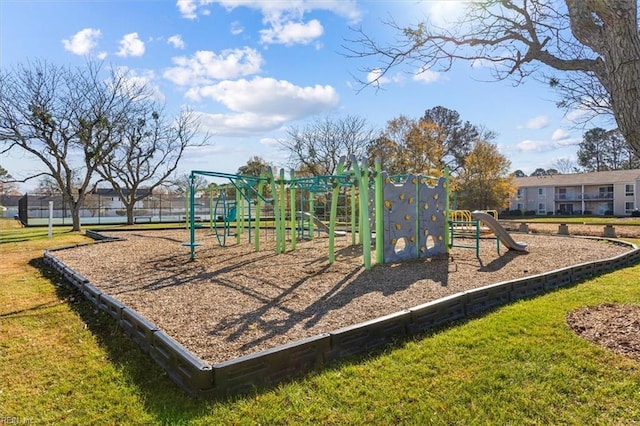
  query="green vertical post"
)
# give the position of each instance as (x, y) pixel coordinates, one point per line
(353, 215)
(334, 212)
(187, 199)
(247, 196)
(258, 212)
(379, 205)
(192, 216)
(364, 214)
(292, 211)
(276, 209)
(239, 215)
(363, 179)
(312, 210)
(283, 211)
(447, 229)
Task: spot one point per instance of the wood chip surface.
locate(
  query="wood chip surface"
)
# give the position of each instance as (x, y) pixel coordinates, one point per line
(233, 301)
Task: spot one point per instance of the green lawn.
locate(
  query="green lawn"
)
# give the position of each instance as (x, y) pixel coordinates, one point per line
(63, 362)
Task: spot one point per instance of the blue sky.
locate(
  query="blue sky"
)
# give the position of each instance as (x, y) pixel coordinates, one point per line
(252, 68)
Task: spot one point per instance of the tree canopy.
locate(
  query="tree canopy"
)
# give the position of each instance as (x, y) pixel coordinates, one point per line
(426, 145)
(485, 180)
(6, 181)
(588, 50)
(254, 166)
(602, 150)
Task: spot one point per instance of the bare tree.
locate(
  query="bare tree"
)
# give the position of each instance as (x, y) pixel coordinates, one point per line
(149, 147)
(593, 44)
(565, 165)
(48, 186)
(180, 185)
(65, 117)
(316, 149)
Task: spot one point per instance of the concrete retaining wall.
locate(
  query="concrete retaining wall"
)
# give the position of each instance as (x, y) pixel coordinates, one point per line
(269, 367)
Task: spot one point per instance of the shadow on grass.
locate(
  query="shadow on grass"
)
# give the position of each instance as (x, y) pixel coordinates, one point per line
(21, 235)
(161, 397)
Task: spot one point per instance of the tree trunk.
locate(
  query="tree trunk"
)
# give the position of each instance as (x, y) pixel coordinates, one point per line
(610, 28)
(622, 61)
(75, 215)
(129, 207)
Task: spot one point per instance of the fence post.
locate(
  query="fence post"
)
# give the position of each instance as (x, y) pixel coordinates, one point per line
(50, 230)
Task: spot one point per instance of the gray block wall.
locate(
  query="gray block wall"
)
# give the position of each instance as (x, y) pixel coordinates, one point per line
(414, 218)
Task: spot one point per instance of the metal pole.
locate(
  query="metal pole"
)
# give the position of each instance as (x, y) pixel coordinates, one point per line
(192, 215)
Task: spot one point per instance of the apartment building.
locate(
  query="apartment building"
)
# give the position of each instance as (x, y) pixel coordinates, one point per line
(597, 193)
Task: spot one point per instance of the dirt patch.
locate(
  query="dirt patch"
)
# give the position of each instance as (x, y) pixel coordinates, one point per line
(616, 327)
(233, 301)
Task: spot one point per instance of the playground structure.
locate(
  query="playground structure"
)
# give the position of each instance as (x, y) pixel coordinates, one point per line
(407, 216)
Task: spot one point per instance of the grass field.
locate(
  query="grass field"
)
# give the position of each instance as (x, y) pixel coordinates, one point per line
(62, 362)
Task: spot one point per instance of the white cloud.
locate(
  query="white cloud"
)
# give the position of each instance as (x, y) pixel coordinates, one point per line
(535, 146)
(142, 78)
(187, 8)
(270, 96)
(176, 41)
(205, 66)
(579, 115)
(559, 134)
(538, 122)
(383, 79)
(131, 45)
(262, 104)
(283, 20)
(236, 28)
(273, 11)
(376, 75)
(532, 146)
(292, 33)
(427, 76)
(82, 42)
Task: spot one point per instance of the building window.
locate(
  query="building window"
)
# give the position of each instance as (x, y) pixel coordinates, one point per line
(628, 207)
(520, 207)
(519, 195)
(628, 190)
(566, 208)
(542, 208)
(606, 191)
(562, 193)
(541, 193)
